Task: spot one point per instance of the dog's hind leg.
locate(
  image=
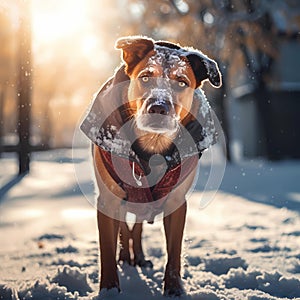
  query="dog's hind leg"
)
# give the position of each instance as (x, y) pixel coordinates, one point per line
(125, 236)
(139, 257)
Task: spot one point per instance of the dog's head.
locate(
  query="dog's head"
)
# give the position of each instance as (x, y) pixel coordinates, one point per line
(163, 77)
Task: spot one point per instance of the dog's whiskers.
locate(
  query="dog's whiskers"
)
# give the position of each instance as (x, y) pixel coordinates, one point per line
(129, 113)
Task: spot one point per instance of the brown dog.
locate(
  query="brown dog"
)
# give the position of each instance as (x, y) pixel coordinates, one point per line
(149, 124)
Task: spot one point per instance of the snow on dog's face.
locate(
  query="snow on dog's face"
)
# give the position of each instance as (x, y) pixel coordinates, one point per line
(163, 77)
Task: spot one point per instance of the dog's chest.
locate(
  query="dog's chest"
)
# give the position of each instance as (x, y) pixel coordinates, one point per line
(155, 168)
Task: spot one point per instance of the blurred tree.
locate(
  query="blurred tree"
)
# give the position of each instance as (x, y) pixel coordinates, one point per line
(5, 65)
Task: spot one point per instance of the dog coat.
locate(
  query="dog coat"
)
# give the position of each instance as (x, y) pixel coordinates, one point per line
(136, 186)
(106, 127)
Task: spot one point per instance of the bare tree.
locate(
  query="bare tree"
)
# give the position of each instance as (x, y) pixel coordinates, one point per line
(24, 86)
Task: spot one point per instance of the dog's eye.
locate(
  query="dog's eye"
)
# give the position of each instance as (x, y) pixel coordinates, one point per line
(182, 84)
(145, 79)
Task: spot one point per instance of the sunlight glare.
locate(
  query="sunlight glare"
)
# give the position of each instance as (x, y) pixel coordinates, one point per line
(66, 28)
(53, 19)
(89, 44)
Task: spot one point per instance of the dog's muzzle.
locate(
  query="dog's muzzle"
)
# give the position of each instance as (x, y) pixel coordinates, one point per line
(157, 113)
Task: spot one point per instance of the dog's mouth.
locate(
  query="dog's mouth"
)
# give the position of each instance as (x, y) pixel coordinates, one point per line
(156, 123)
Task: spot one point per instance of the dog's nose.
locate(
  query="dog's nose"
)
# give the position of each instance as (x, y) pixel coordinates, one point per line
(161, 109)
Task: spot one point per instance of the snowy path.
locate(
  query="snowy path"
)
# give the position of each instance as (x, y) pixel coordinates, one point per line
(243, 245)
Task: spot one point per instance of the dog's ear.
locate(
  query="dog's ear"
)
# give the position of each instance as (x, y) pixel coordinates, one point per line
(134, 48)
(204, 68)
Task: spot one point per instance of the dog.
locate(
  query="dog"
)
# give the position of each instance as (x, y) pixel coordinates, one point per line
(139, 124)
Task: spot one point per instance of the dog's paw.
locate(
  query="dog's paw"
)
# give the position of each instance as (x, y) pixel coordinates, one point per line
(139, 260)
(143, 263)
(173, 292)
(107, 293)
(173, 286)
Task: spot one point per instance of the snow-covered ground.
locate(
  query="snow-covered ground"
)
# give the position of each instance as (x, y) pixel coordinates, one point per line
(244, 245)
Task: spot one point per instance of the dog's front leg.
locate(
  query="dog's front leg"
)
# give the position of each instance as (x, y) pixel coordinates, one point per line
(174, 226)
(108, 232)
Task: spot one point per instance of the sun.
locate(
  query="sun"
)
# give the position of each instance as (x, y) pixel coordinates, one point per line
(55, 19)
(66, 27)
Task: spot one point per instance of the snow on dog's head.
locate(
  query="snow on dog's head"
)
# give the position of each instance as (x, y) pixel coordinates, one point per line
(163, 79)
